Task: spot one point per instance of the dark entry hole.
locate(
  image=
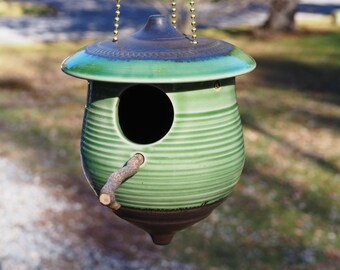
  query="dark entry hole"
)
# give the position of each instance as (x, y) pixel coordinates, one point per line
(145, 114)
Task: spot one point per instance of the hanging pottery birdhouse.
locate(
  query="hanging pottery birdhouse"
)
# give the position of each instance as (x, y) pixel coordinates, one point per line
(162, 141)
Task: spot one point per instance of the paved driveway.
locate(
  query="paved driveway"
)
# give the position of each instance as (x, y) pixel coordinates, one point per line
(75, 20)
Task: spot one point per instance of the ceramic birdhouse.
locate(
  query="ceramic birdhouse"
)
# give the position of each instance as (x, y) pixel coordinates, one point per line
(162, 141)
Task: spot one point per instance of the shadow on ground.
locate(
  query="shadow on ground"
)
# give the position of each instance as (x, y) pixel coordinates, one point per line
(319, 81)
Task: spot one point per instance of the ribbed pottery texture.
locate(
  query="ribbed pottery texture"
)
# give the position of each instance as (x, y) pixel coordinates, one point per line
(198, 162)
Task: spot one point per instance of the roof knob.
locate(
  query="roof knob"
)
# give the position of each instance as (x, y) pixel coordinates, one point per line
(158, 27)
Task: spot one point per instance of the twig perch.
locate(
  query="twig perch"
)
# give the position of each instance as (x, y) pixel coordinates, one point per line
(107, 194)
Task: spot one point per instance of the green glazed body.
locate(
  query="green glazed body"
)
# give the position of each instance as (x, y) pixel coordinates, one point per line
(197, 162)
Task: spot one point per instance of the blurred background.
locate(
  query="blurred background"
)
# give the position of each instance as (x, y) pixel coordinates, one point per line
(283, 214)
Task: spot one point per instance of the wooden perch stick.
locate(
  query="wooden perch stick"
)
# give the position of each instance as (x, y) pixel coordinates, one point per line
(107, 194)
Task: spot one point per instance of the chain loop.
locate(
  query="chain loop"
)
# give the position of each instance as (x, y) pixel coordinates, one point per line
(173, 19)
(116, 24)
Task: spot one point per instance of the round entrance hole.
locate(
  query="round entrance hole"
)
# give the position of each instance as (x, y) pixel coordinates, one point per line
(145, 114)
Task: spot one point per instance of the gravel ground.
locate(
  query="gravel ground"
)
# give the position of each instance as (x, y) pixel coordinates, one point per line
(29, 240)
(91, 19)
(94, 19)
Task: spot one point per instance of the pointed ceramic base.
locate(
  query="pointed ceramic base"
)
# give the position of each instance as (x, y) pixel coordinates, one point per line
(162, 225)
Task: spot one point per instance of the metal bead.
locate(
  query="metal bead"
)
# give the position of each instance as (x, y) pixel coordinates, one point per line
(173, 16)
(173, 3)
(194, 36)
(192, 16)
(193, 23)
(115, 32)
(118, 6)
(173, 9)
(193, 29)
(192, 9)
(115, 38)
(116, 25)
(192, 3)
(117, 12)
(194, 42)
(117, 19)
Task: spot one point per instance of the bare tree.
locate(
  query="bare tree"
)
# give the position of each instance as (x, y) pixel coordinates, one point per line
(282, 15)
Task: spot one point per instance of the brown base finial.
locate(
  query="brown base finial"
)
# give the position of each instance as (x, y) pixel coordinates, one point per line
(162, 239)
(163, 224)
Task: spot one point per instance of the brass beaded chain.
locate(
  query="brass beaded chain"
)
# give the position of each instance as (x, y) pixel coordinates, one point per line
(193, 22)
(173, 13)
(116, 24)
(192, 17)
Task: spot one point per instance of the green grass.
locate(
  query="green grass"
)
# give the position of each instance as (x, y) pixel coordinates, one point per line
(15, 9)
(285, 211)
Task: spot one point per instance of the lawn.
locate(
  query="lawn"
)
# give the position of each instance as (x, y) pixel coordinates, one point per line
(285, 211)
(17, 9)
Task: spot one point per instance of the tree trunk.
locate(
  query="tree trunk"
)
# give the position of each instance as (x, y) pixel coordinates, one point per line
(282, 15)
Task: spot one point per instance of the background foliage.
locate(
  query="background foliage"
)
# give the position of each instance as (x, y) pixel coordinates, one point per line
(285, 211)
